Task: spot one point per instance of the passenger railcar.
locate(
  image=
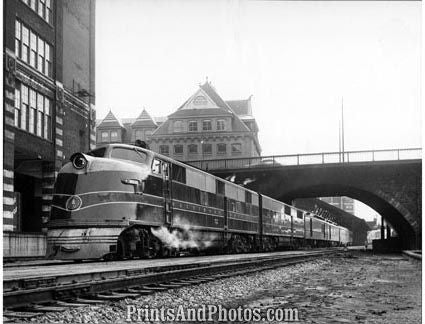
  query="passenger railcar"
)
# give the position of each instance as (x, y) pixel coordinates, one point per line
(122, 201)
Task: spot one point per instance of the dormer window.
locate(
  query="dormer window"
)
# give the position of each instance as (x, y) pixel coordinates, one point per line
(105, 136)
(139, 135)
(114, 136)
(178, 126)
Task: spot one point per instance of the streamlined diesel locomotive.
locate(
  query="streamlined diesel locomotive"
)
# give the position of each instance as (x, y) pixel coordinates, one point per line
(122, 201)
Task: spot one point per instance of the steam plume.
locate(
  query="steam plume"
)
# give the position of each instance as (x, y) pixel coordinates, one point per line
(185, 238)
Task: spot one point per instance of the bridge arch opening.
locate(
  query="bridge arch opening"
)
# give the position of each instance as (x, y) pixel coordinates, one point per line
(393, 215)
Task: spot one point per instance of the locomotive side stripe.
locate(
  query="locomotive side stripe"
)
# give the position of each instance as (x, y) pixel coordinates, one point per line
(97, 198)
(112, 202)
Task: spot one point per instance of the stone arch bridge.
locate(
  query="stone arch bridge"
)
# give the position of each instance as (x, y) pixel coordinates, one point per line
(389, 181)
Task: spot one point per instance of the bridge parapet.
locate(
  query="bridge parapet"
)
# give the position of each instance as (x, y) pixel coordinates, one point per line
(310, 158)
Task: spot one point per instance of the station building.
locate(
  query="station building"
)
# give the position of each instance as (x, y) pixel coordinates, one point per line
(49, 109)
(204, 127)
(344, 203)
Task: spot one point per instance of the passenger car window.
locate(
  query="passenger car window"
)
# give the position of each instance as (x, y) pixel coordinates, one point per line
(129, 155)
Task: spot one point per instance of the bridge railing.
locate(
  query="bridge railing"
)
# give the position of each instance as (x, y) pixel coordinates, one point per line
(310, 158)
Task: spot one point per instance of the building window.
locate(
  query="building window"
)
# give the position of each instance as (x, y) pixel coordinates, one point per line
(17, 106)
(193, 126)
(47, 118)
(207, 149)
(32, 49)
(114, 136)
(17, 38)
(178, 126)
(33, 107)
(206, 125)
(25, 44)
(40, 59)
(164, 149)
(236, 148)
(105, 136)
(33, 46)
(221, 148)
(193, 148)
(40, 111)
(38, 108)
(220, 124)
(42, 7)
(24, 107)
(138, 134)
(148, 133)
(178, 149)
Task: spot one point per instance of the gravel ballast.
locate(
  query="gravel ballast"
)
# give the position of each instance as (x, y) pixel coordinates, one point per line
(351, 288)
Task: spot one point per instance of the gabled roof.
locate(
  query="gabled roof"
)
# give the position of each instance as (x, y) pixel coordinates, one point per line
(200, 112)
(110, 121)
(241, 107)
(144, 120)
(212, 93)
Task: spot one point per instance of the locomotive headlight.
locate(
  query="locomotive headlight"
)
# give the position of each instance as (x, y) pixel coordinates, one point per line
(79, 161)
(73, 203)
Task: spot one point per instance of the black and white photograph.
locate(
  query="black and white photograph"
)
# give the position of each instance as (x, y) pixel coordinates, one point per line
(216, 161)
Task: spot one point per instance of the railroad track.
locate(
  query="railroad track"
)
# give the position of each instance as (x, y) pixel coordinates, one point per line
(29, 296)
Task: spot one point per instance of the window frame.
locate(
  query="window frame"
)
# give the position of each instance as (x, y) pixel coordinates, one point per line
(161, 151)
(32, 111)
(204, 145)
(116, 137)
(221, 122)
(191, 124)
(179, 129)
(192, 146)
(175, 146)
(206, 122)
(225, 148)
(104, 139)
(33, 49)
(43, 9)
(233, 151)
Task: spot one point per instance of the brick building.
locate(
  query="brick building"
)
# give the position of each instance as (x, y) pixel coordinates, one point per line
(344, 203)
(203, 127)
(49, 84)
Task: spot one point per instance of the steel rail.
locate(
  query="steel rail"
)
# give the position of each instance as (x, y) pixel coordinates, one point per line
(92, 285)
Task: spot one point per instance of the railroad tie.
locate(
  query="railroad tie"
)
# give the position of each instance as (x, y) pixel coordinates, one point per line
(140, 291)
(155, 288)
(13, 314)
(88, 301)
(171, 285)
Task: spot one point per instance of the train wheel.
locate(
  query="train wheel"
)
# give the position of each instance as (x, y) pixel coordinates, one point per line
(110, 257)
(121, 248)
(237, 245)
(154, 248)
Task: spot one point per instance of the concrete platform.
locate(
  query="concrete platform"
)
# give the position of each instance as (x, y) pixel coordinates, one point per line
(24, 245)
(34, 272)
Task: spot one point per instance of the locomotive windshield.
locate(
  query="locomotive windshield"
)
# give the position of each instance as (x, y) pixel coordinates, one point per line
(100, 152)
(133, 155)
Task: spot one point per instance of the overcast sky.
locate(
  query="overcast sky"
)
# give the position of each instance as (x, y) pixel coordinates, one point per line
(297, 59)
